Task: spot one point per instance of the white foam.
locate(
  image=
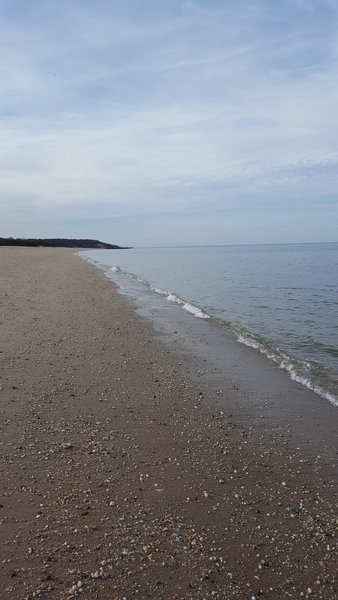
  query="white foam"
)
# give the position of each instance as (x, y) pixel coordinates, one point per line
(194, 310)
(285, 363)
(314, 388)
(243, 339)
(159, 291)
(299, 371)
(173, 298)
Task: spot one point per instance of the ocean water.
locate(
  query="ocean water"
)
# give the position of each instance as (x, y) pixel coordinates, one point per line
(280, 299)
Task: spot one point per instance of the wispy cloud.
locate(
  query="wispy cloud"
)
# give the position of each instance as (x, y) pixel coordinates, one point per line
(131, 113)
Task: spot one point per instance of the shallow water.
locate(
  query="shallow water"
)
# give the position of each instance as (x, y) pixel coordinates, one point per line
(280, 299)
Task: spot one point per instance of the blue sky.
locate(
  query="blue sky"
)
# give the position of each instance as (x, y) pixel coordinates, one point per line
(150, 122)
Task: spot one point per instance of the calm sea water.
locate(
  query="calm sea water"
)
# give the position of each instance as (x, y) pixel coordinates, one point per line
(280, 299)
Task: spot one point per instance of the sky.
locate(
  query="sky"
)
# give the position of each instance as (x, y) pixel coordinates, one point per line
(169, 122)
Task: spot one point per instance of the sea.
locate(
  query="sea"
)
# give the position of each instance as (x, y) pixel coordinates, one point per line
(281, 300)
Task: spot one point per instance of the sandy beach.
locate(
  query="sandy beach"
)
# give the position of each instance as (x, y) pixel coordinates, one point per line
(127, 472)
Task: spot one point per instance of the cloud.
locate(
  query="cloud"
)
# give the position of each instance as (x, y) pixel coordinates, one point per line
(189, 5)
(121, 111)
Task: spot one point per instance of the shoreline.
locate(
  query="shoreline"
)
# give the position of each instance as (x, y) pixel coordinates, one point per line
(135, 466)
(219, 358)
(132, 284)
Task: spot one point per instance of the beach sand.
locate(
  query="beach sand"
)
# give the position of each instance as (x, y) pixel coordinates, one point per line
(127, 472)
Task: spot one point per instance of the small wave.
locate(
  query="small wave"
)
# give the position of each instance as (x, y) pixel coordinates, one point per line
(159, 291)
(194, 310)
(314, 388)
(170, 296)
(298, 371)
(173, 298)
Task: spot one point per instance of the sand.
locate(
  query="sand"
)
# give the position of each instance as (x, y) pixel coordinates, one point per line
(126, 473)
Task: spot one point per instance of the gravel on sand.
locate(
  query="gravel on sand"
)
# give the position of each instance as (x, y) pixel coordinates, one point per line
(123, 477)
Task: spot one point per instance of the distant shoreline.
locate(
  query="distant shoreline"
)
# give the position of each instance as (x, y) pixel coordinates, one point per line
(59, 243)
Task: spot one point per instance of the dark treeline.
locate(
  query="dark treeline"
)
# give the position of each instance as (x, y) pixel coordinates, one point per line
(57, 243)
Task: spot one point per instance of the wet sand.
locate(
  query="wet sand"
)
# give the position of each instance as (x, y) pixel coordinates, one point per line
(130, 468)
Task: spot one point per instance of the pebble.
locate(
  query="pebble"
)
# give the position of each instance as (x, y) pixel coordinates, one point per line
(147, 432)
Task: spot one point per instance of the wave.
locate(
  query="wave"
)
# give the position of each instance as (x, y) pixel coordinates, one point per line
(298, 370)
(191, 308)
(170, 296)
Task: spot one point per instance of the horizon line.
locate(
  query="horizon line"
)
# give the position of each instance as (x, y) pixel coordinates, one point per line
(236, 245)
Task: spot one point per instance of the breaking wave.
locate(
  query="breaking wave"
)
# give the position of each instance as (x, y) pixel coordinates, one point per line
(298, 370)
(194, 310)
